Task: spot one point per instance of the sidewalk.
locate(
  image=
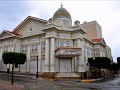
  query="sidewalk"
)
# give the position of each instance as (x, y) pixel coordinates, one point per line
(8, 86)
(91, 80)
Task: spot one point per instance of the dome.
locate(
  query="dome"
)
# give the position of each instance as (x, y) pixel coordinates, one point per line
(77, 22)
(62, 13)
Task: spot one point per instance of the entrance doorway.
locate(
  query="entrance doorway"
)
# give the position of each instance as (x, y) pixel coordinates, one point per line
(65, 64)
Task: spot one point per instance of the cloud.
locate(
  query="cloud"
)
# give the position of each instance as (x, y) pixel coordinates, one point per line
(38, 9)
(12, 13)
(106, 13)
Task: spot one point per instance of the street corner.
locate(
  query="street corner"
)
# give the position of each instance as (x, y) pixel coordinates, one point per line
(88, 81)
(91, 80)
(8, 86)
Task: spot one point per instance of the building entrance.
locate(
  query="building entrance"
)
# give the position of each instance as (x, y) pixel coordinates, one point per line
(65, 64)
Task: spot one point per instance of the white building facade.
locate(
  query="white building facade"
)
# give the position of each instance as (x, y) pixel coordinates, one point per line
(60, 46)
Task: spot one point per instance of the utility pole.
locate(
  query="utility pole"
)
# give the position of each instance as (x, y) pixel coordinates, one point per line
(37, 68)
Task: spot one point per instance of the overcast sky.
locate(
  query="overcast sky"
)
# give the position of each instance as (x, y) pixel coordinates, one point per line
(105, 12)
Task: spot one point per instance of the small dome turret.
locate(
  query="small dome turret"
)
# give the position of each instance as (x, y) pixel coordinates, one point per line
(77, 23)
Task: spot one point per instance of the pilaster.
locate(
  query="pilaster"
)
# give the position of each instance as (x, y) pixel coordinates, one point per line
(52, 55)
(47, 56)
(28, 59)
(81, 58)
(1, 53)
(39, 57)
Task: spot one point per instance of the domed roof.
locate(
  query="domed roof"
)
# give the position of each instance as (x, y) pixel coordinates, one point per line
(62, 13)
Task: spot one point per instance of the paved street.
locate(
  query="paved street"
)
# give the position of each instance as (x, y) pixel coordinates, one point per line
(31, 83)
(8, 86)
(113, 84)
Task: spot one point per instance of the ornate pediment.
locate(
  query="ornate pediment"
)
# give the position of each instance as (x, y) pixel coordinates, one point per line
(30, 26)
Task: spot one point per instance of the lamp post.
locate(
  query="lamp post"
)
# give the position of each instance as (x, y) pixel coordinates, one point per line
(93, 57)
(94, 67)
(37, 68)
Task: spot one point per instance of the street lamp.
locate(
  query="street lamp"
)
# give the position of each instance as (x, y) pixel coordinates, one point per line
(93, 57)
(94, 67)
(37, 68)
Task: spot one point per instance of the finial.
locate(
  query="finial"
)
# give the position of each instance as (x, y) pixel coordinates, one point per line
(61, 4)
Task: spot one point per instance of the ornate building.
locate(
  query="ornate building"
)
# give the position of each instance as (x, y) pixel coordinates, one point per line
(60, 46)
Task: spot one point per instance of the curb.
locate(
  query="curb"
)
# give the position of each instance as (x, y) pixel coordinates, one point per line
(91, 80)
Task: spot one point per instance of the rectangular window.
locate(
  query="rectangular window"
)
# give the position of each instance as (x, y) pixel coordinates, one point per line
(95, 51)
(65, 43)
(5, 48)
(34, 47)
(43, 50)
(74, 43)
(23, 48)
(43, 45)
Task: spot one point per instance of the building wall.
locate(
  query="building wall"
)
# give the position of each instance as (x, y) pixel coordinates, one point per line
(31, 28)
(98, 30)
(88, 52)
(33, 44)
(99, 50)
(108, 52)
(93, 30)
(4, 35)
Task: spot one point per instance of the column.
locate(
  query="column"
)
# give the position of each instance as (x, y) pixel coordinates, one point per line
(28, 59)
(76, 64)
(47, 55)
(85, 61)
(1, 53)
(12, 47)
(39, 57)
(9, 48)
(86, 52)
(90, 52)
(52, 55)
(1, 57)
(80, 58)
(73, 65)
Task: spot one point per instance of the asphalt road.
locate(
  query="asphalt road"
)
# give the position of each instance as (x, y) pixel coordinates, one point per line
(111, 84)
(32, 83)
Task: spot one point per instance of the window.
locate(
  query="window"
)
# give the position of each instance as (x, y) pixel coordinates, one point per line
(5, 48)
(43, 46)
(23, 48)
(43, 49)
(62, 43)
(96, 52)
(88, 52)
(74, 43)
(65, 43)
(34, 47)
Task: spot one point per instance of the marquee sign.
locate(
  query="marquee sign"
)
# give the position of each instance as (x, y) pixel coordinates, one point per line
(68, 52)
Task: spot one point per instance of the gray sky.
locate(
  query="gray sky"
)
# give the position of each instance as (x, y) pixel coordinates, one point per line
(105, 12)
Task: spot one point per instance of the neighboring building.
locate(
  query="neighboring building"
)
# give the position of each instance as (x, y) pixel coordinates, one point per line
(94, 29)
(60, 47)
(108, 52)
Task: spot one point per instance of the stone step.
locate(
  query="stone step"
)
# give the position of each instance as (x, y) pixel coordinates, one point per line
(16, 76)
(66, 74)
